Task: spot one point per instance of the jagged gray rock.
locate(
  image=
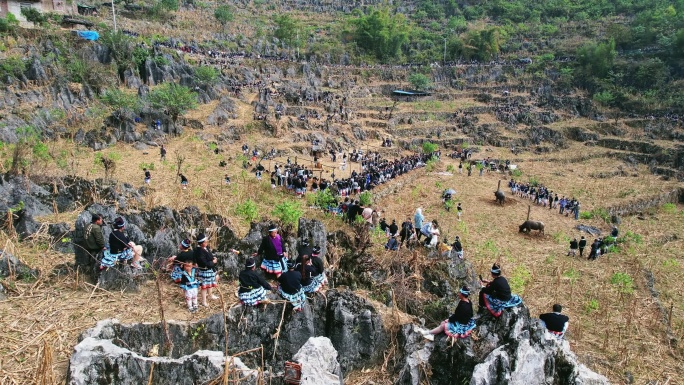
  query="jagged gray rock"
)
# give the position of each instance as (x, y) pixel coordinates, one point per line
(354, 327)
(100, 358)
(318, 358)
(314, 231)
(511, 349)
(12, 266)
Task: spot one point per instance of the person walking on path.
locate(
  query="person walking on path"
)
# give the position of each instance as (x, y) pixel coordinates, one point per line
(459, 211)
(582, 245)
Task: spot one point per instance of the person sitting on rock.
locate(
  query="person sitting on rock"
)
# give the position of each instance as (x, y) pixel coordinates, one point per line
(319, 276)
(556, 323)
(189, 283)
(392, 244)
(307, 271)
(252, 285)
(291, 287)
(206, 266)
(121, 248)
(272, 248)
(177, 262)
(496, 295)
(461, 323)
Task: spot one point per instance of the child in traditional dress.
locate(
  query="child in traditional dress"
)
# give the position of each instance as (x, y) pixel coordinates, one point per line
(189, 284)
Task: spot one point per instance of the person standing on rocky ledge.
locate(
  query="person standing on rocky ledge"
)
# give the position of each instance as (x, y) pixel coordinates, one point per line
(94, 240)
(206, 265)
(272, 250)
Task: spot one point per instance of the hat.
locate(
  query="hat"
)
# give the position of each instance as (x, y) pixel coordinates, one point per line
(290, 264)
(305, 242)
(186, 243)
(457, 237)
(201, 238)
(272, 227)
(249, 262)
(119, 223)
(496, 269)
(316, 250)
(465, 290)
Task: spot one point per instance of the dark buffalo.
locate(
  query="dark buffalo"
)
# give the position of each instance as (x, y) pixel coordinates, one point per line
(528, 226)
(500, 197)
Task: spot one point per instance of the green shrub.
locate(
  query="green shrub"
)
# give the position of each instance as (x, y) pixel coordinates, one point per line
(366, 198)
(516, 173)
(669, 208)
(247, 210)
(429, 147)
(149, 166)
(624, 283)
(34, 16)
(323, 198)
(8, 24)
(288, 212)
(534, 181)
(450, 168)
(206, 75)
(591, 306)
(519, 278)
(586, 215)
(13, 66)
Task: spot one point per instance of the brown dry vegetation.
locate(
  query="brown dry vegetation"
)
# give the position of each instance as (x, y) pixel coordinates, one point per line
(612, 332)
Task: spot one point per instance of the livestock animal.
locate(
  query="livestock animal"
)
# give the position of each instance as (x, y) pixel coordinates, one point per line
(532, 225)
(500, 197)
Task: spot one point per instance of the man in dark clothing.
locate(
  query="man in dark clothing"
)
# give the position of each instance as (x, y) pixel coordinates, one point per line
(252, 285)
(573, 247)
(94, 240)
(458, 248)
(555, 322)
(593, 254)
(148, 176)
(393, 228)
(582, 245)
(406, 231)
(162, 152)
(291, 287)
(497, 288)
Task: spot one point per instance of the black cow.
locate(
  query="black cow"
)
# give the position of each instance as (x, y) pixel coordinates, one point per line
(500, 197)
(528, 226)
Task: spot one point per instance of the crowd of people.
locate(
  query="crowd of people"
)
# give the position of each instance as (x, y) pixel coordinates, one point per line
(542, 196)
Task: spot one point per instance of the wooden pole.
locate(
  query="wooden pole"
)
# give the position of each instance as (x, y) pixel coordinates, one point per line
(529, 208)
(498, 186)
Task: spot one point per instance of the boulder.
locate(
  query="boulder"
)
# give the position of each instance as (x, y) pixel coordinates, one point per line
(319, 363)
(12, 266)
(119, 278)
(104, 356)
(511, 349)
(112, 351)
(314, 231)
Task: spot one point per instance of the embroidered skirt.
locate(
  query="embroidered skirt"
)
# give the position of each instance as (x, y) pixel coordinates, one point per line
(176, 273)
(458, 330)
(110, 259)
(298, 299)
(316, 283)
(496, 306)
(252, 297)
(274, 267)
(207, 277)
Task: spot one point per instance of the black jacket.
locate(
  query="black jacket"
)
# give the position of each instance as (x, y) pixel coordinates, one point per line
(309, 272)
(498, 289)
(457, 246)
(573, 245)
(582, 243)
(250, 280)
(204, 258)
(118, 242)
(268, 250)
(318, 265)
(291, 281)
(554, 321)
(185, 257)
(393, 228)
(463, 313)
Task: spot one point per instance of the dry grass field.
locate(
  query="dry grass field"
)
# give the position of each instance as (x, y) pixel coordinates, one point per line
(617, 325)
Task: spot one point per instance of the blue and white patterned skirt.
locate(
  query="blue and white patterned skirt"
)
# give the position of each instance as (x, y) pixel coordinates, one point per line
(458, 330)
(298, 299)
(176, 273)
(207, 277)
(252, 297)
(110, 259)
(274, 267)
(316, 284)
(496, 306)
